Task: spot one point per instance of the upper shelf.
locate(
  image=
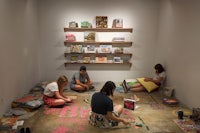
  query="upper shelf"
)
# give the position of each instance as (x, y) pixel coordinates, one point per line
(101, 43)
(99, 29)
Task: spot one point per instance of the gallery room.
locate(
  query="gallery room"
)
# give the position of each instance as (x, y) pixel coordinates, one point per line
(116, 40)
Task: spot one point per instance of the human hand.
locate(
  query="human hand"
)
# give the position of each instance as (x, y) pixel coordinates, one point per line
(125, 122)
(147, 79)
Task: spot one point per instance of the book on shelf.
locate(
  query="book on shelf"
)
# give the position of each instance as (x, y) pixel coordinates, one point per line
(76, 48)
(118, 39)
(129, 103)
(84, 24)
(101, 22)
(117, 23)
(70, 37)
(90, 49)
(73, 24)
(74, 59)
(119, 50)
(101, 59)
(117, 60)
(89, 36)
(86, 59)
(105, 48)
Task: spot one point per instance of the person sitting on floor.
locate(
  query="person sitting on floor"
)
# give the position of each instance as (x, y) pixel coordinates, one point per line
(53, 92)
(81, 81)
(158, 79)
(103, 114)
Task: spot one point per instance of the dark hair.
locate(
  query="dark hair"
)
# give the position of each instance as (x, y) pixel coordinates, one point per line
(108, 88)
(159, 68)
(82, 68)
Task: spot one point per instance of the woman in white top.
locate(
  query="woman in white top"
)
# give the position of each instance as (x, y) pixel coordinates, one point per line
(158, 79)
(53, 92)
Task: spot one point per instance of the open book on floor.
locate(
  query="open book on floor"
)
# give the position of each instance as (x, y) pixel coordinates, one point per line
(129, 103)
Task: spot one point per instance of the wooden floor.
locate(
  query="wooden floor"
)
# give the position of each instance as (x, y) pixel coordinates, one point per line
(154, 116)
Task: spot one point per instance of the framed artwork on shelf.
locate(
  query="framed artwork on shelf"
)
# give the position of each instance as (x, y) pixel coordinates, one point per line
(117, 23)
(119, 50)
(70, 37)
(101, 59)
(105, 48)
(74, 59)
(101, 22)
(76, 48)
(89, 36)
(90, 49)
(86, 59)
(84, 24)
(73, 24)
(117, 60)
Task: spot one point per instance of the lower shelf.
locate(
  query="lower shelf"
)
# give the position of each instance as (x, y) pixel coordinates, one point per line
(78, 63)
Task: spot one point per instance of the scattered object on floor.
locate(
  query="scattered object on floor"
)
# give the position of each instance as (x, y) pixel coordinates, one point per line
(119, 89)
(168, 91)
(15, 112)
(7, 122)
(180, 115)
(28, 130)
(138, 124)
(187, 125)
(28, 102)
(86, 100)
(170, 101)
(195, 115)
(27, 115)
(22, 130)
(18, 123)
(143, 123)
(129, 103)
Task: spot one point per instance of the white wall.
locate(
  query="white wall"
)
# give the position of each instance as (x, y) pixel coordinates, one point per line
(141, 15)
(18, 49)
(175, 44)
(178, 47)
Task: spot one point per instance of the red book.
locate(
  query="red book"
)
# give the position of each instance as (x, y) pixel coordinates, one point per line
(129, 103)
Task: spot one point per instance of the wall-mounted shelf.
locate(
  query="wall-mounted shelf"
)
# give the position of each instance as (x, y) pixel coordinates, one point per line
(99, 54)
(78, 63)
(99, 43)
(78, 57)
(98, 29)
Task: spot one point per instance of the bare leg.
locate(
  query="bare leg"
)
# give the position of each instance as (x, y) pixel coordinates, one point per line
(58, 102)
(137, 88)
(79, 88)
(118, 109)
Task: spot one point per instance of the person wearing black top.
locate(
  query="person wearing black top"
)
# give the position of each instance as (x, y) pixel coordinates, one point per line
(104, 114)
